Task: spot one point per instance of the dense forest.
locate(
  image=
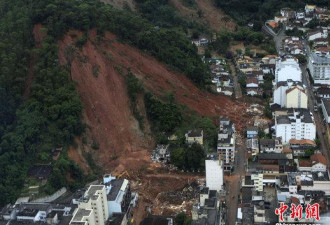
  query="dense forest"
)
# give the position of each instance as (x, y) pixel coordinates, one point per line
(39, 106)
(245, 11)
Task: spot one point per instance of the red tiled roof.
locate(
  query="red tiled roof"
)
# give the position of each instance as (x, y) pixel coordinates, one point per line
(286, 150)
(295, 200)
(305, 163)
(252, 80)
(302, 142)
(291, 89)
(318, 158)
(271, 167)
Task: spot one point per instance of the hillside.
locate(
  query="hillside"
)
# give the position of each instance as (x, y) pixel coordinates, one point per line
(205, 11)
(65, 85)
(107, 112)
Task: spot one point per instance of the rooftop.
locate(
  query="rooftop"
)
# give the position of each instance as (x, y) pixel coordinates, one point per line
(115, 188)
(80, 214)
(40, 171)
(195, 133)
(326, 103)
(320, 58)
(302, 142)
(252, 128)
(318, 158)
(156, 220)
(274, 156)
(269, 143)
(295, 114)
(92, 191)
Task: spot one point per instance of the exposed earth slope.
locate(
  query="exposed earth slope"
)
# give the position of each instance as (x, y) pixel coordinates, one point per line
(211, 15)
(107, 110)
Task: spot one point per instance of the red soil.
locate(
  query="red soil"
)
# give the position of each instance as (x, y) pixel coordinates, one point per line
(107, 113)
(211, 15)
(106, 104)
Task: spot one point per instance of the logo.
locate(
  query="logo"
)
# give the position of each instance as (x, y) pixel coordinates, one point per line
(312, 211)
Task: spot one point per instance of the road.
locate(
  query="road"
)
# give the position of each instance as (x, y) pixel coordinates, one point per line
(237, 86)
(233, 182)
(320, 127)
(278, 39)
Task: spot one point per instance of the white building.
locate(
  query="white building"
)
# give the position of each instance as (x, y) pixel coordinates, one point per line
(310, 8)
(252, 145)
(315, 181)
(118, 194)
(290, 94)
(214, 174)
(317, 33)
(325, 104)
(295, 124)
(33, 212)
(287, 68)
(319, 67)
(92, 207)
(317, 163)
(83, 216)
(300, 15)
(226, 143)
(258, 181)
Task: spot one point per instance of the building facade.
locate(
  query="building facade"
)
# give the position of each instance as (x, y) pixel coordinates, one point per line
(296, 124)
(226, 143)
(290, 94)
(92, 207)
(319, 67)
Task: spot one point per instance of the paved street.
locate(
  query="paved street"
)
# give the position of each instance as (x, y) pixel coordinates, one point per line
(278, 39)
(318, 117)
(237, 86)
(233, 182)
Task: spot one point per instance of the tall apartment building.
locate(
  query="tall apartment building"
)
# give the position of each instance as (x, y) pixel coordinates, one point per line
(319, 67)
(287, 68)
(290, 94)
(295, 124)
(226, 143)
(214, 174)
(92, 207)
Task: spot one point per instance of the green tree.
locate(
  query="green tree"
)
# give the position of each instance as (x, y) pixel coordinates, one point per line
(182, 219)
(301, 58)
(309, 152)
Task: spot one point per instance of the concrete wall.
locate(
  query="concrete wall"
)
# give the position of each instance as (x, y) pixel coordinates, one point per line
(52, 197)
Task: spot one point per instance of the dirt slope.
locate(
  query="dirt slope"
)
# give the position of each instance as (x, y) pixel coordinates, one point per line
(107, 109)
(211, 15)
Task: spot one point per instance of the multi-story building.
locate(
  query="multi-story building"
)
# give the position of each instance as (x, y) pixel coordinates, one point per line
(118, 193)
(207, 210)
(290, 94)
(252, 146)
(214, 174)
(295, 124)
(271, 145)
(319, 67)
(92, 207)
(83, 216)
(226, 143)
(287, 68)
